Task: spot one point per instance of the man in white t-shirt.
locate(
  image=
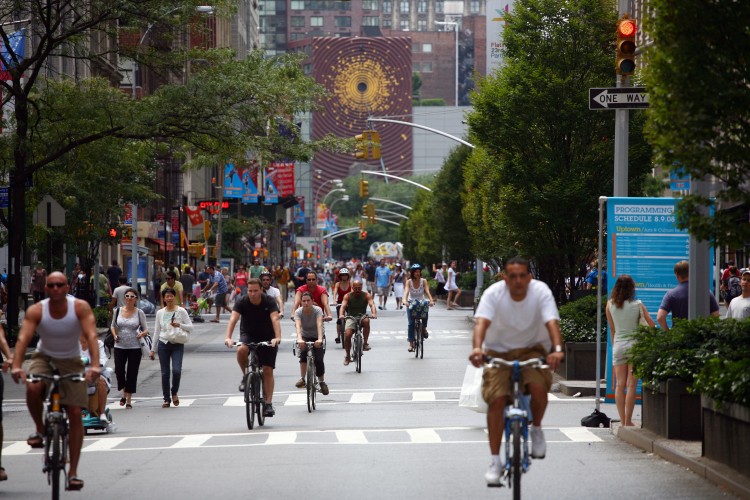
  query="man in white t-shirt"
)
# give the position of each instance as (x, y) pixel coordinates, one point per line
(739, 308)
(272, 291)
(516, 318)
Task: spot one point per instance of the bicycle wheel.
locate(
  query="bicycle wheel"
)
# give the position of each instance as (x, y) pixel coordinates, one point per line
(249, 400)
(358, 353)
(421, 340)
(310, 385)
(417, 337)
(342, 333)
(515, 427)
(260, 399)
(56, 461)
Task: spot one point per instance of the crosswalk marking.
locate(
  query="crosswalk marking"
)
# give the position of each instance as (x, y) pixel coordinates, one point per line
(423, 436)
(351, 437)
(362, 397)
(103, 444)
(235, 401)
(423, 396)
(283, 437)
(580, 434)
(17, 448)
(296, 400)
(194, 441)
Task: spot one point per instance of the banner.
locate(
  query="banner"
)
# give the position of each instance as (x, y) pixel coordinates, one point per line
(194, 215)
(17, 47)
(321, 216)
(233, 181)
(282, 175)
(299, 211)
(496, 10)
(271, 194)
(249, 189)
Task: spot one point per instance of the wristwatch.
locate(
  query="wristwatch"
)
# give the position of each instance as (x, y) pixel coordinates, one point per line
(558, 348)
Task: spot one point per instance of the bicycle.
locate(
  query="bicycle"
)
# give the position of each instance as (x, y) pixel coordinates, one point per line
(255, 403)
(517, 418)
(415, 307)
(55, 429)
(311, 380)
(358, 340)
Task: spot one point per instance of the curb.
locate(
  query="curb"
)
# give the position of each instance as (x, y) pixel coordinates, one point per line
(687, 454)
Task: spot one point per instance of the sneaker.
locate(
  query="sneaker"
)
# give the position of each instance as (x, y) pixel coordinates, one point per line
(493, 474)
(324, 388)
(300, 384)
(366, 347)
(538, 443)
(384, 307)
(268, 411)
(242, 385)
(425, 334)
(103, 419)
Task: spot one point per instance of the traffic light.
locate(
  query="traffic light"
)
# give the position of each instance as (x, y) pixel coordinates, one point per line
(206, 230)
(371, 213)
(364, 188)
(360, 151)
(361, 224)
(625, 54)
(374, 145)
(368, 146)
(114, 232)
(196, 249)
(362, 234)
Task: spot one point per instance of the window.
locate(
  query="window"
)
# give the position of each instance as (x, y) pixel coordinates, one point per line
(387, 23)
(474, 6)
(387, 7)
(316, 21)
(427, 48)
(404, 25)
(426, 67)
(370, 21)
(415, 67)
(421, 25)
(404, 7)
(370, 4)
(298, 22)
(439, 7)
(343, 21)
(297, 36)
(298, 5)
(422, 6)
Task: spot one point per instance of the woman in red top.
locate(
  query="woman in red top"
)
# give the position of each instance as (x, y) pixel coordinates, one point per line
(240, 280)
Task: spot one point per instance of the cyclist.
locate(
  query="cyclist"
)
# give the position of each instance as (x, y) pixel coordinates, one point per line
(271, 291)
(516, 318)
(416, 293)
(340, 289)
(309, 322)
(355, 304)
(260, 323)
(319, 295)
(60, 320)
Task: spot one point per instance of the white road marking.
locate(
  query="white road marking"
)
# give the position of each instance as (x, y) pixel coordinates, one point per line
(296, 400)
(193, 441)
(361, 397)
(423, 436)
(235, 401)
(17, 448)
(580, 434)
(284, 437)
(103, 444)
(351, 437)
(423, 396)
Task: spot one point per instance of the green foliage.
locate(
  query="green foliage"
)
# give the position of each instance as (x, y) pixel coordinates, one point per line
(712, 355)
(437, 101)
(101, 315)
(543, 158)
(698, 119)
(578, 320)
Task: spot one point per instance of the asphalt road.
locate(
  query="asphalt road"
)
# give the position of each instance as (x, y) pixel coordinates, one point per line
(393, 431)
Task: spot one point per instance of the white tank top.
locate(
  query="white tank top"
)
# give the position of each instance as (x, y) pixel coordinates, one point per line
(59, 338)
(416, 293)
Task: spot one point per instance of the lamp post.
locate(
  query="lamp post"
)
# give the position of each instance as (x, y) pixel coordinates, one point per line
(455, 28)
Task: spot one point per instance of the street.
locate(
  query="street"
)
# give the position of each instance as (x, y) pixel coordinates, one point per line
(393, 431)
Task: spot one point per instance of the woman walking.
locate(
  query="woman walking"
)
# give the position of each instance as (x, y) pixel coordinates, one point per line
(451, 287)
(399, 277)
(624, 314)
(128, 327)
(169, 318)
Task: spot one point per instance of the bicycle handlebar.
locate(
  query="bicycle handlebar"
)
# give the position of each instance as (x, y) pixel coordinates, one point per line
(539, 363)
(38, 377)
(253, 345)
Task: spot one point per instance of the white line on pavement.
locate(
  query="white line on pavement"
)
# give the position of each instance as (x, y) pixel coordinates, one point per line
(362, 397)
(423, 396)
(580, 434)
(424, 436)
(194, 441)
(103, 444)
(283, 437)
(296, 400)
(351, 437)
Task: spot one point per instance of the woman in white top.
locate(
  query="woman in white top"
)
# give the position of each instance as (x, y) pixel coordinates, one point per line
(399, 277)
(451, 287)
(170, 352)
(623, 315)
(418, 291)
(128, 326)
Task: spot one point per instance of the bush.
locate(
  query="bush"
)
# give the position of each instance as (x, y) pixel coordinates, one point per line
(101, 315)
(578, 320)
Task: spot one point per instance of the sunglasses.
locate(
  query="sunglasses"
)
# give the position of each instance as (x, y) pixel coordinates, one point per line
(56, 285)
(312, 279)
(130, 296)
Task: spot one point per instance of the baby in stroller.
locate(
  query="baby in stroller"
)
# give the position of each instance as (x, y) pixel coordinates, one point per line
(196, 307)
(97, 416)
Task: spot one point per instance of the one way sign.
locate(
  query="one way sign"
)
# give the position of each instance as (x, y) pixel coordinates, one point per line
(618, 98)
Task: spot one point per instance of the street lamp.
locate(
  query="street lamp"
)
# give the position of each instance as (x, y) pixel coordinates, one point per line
(340, 190)
(455, 28)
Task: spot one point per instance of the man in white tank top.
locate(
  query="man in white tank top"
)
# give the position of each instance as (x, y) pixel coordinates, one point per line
(59, 319)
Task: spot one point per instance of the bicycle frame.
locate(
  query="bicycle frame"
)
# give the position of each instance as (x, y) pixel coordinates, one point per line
(311, 380)
(254, 398)
(358, 340)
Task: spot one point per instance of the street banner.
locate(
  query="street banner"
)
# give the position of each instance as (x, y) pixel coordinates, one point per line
(17, 47)
(496, 11)
(321, 216)
(249, 189)
(299, 210)
(282, 175)
(160, 229)
(232, 182)
(194, 215)
(271, 194)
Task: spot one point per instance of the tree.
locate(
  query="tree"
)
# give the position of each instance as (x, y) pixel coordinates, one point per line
(697, 120)
(226, 108)
(543, 158)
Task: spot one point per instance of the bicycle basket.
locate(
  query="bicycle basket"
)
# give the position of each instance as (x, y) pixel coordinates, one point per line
(419, 308)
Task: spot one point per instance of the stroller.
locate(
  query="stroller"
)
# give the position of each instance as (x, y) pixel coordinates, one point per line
(197, 308)
(91, 420)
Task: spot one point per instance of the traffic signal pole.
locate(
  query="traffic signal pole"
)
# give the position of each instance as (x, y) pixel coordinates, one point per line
(622, 117)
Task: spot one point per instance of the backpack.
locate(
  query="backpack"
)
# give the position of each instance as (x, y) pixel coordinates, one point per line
(734, 289)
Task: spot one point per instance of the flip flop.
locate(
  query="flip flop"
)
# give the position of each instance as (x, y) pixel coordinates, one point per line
(35, 440)
(128, 406)
(411, 349)
(74, 484)
(123, 401)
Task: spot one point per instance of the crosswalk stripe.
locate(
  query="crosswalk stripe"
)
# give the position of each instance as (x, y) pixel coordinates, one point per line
(103, 444)
(235, 401)
(423, 396)
(423, 436)
(580, 434)
(283, 437)
(296, 400)
(17, 448)
(362, 397)
(186, 402)
(351, 437)
(193, 441)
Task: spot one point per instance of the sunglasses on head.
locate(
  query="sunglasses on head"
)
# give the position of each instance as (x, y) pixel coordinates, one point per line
(56, 285)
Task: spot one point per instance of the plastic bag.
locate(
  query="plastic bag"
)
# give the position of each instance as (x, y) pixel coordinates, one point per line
(471, 390)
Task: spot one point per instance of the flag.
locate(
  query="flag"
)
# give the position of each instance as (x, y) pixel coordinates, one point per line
(16, 46)
(194, 215)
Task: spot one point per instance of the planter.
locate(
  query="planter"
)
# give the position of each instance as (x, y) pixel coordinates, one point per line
(669, 410)
(580, 361)
(726, 434)
(466, 299)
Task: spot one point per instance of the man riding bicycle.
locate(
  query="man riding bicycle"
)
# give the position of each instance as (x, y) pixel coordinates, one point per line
(59, 319)
(516, 318)
(260, 323)
(319, 295)
(355, 304)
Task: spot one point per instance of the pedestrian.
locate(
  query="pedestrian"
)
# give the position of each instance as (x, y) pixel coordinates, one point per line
(260, 323)
(281, 274)
(399, 278)
(309, 322)
(418, 300)
(179, 298)
(516, 319)
(159, 278)
(383, 283)
(59, 320)
(731, 286)
(113, 274)
(739, 308)
(440, 272)
(624, 315)
(218, 285)
(7, 362)
(38, 282)
(369, 275)
(451, 287)
(103, 291)
(169, 317)
(271, 291)
(118, 294)
(301, 274)
(128, 327)
(675, 301)
(240, 280)
(187, 280)
(256, 269)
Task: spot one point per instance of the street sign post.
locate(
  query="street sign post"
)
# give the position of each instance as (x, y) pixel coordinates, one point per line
(618, 98)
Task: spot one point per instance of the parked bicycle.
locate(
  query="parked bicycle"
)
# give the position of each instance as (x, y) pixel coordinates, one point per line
(255, 401)
(358, 340)
(55, 429)
(312, 385)
(517, 418)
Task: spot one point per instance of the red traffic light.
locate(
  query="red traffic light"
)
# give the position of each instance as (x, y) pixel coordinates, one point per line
(626, 27)
(113, 233)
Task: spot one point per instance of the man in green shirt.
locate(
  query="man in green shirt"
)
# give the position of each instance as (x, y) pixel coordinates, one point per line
(256, 269)
(355, 304)
(103, 291)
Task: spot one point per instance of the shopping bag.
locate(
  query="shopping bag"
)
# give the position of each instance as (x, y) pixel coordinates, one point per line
(146, 345)
(471, 390)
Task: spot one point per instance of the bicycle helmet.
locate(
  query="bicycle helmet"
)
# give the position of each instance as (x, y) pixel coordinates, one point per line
(265, 273)
(414, 267)
(343, 270)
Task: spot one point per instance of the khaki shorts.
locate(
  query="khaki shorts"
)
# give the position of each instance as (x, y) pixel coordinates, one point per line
(352, 324)
(71, 393)
(496, 382)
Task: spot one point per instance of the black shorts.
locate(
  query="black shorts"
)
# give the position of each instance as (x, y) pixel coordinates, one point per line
(266, 355)
(220, 299)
